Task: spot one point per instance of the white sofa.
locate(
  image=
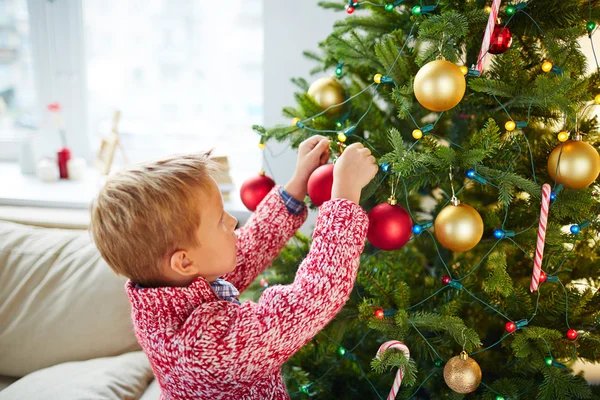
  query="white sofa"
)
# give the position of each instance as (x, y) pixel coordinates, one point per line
(65, 327)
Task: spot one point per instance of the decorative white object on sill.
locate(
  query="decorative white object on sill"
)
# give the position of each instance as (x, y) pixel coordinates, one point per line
(76, 167)
(47, 170)
(27, 155)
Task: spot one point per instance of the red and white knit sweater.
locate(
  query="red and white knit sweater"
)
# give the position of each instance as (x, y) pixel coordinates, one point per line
(202, 347)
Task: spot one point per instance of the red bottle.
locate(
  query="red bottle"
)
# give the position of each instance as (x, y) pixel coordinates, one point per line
(64, 155)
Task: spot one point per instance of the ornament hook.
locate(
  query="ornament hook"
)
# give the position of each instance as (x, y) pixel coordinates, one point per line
(454, 201)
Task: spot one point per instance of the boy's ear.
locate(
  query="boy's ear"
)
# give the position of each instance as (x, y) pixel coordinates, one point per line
(181, 263)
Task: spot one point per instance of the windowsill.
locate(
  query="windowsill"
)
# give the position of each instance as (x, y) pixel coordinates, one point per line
(65, 203)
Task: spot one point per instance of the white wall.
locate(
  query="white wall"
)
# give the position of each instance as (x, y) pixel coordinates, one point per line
(290, 28)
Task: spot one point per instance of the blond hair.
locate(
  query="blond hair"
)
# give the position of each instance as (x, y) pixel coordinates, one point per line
(144, 213)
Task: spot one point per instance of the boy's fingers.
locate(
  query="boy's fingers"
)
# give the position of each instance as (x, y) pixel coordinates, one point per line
(322, 145)
(324, 157)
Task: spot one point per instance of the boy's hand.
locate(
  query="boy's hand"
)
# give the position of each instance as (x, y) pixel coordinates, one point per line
(312, 153)
(354, 169)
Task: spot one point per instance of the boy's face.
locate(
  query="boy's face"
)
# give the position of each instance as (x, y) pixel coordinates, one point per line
(216, 254)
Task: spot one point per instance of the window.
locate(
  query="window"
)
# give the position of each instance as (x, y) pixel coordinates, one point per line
(17, 93)
(186, 75)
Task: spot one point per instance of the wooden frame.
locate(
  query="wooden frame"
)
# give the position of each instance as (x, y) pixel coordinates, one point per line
(108, 146)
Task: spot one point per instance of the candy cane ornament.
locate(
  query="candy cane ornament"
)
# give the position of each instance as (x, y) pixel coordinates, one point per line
(487, 37)
(539, 248)
(394, 344)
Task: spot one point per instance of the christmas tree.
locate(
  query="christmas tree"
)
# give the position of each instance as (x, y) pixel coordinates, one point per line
(482, 253)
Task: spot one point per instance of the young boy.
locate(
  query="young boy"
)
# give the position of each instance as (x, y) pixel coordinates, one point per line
(163, 226)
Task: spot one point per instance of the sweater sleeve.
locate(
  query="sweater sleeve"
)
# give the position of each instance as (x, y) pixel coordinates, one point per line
(262, 238)
(259, 337)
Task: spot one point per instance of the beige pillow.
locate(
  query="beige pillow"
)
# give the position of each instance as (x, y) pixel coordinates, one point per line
(153, 391)
(6, 381)
(120, 378)
(59, 301)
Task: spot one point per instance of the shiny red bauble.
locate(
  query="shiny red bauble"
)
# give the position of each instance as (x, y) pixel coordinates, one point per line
(446, 279)
(320, 184)
(543, 277)
(390, 226)
(501, 40)
(255, 189)
(379, 314)
(572, 334)
(510, 327)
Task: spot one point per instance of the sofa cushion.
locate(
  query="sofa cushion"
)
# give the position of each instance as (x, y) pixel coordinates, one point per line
(6, 381)
(122, 377)
(153, 391)
(59, 301)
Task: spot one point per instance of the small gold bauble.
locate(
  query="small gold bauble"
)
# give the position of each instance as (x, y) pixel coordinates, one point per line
(510, 126)
(328, 92)
(417, 134)
(464, 69)
(563, 136)
(377, 78)
(547, 66)
(342, 137)
(295, 121)
(439, 85)
(597, 99)
(261, 146)
(462, 374)
(579, 164)
(458, 228)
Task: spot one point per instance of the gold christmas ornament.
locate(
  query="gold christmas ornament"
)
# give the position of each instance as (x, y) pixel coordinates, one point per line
(328, 92)
(458, 227)
(464, 69)
(597, 99)
(462, 374)
(417, 134)
(439, 85)
(579, 163)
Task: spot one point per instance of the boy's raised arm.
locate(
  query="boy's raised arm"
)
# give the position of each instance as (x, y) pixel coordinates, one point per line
(272, 225)
(262, 238)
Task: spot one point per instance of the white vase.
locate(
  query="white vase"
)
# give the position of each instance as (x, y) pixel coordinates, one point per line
(27, 155)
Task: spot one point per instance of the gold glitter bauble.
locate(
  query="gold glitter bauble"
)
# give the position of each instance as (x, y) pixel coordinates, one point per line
(439, 85)
(462, 374)
(328, 92)
(458, 228)
(579, 164)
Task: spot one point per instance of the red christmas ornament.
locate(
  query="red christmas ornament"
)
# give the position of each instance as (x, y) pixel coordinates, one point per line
(543, 277)
(510, 327)
(390, 226)
(320, 184)
(255, 189)
(349, 9)
(264, 283)
(446, 280)
(379, 314)
(572, 334)
(501, 40)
